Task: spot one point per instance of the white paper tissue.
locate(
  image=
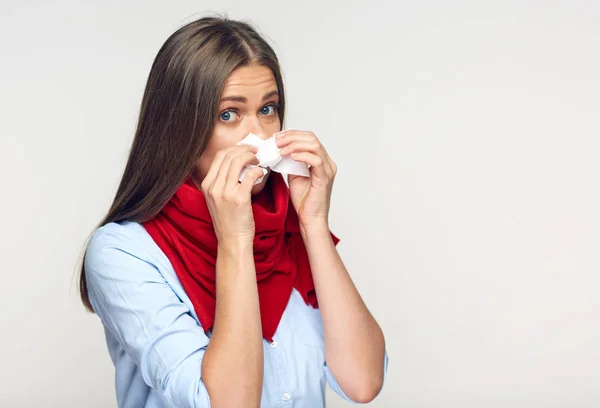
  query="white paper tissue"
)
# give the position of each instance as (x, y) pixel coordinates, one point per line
(269, 157)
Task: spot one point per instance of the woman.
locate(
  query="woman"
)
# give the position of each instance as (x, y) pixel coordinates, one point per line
(206, 285)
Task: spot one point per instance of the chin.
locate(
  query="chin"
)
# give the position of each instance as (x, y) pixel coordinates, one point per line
(260, 186)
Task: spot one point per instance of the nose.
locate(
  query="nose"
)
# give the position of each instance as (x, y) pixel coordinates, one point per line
(257, 128)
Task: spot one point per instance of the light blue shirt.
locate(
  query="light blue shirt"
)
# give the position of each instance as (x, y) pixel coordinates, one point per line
(156, 342)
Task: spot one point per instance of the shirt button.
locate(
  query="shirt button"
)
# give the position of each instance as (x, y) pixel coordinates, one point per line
(273, 344)
(286, 396)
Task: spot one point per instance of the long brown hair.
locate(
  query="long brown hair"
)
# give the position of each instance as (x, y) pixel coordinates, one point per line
(178, 113)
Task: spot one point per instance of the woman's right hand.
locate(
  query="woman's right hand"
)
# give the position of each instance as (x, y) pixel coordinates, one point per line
(229, 201)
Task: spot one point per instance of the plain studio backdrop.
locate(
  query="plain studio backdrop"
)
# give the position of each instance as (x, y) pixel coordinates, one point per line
(467, 199)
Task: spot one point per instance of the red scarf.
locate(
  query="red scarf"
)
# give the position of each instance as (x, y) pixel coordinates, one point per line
(184, 232)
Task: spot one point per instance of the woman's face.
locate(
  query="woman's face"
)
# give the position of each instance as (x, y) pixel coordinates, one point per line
(249, 104)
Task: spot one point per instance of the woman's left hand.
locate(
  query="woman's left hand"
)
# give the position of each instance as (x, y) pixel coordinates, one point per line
(311, 196)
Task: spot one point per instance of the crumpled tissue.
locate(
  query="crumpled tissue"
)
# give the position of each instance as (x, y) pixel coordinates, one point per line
(269, 157)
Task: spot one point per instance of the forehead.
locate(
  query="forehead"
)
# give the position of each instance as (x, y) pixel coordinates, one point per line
(248, 79)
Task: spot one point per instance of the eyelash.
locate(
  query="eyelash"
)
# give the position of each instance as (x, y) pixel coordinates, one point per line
(274, 105)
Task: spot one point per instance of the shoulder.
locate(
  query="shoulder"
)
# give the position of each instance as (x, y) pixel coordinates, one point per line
(116, 243)
(124, 233)
(125, 236)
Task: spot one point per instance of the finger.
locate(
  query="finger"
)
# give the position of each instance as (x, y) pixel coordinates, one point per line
(223, 169)
(235, 168)
(318, 165)
(216, 165)
(313, 146)
(286, 137)
(330, 163)
(291, 137)
(213, 169)
(245, 187)
(288, 132)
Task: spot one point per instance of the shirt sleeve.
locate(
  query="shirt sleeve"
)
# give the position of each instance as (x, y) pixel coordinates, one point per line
(137, 305)
(338, 390)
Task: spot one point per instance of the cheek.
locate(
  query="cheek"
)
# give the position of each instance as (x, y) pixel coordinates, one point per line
(220, 139)
(273, 126)
(203, 165)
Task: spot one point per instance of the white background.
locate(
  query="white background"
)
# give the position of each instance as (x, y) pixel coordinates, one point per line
(467, 199)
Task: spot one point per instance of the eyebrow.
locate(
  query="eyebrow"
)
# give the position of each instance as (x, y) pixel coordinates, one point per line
(244, 100)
